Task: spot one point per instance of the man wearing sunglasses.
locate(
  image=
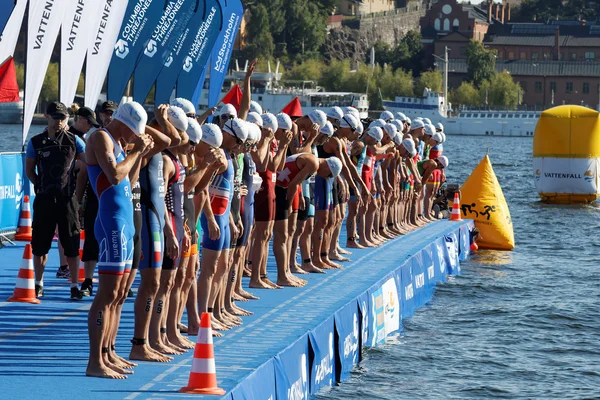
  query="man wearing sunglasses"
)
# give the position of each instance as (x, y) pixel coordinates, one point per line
(49, 165)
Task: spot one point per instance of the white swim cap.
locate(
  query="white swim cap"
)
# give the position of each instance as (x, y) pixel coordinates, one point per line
(328, 129)
(335, 166)
(391, 130)
(409, 145)
(227, 109)
(212, 135)
(427, 120)
(408, 121)
(398, 124)
(335, 112)
(255, 107)
(401, 116)
(377, 123)
(419, 119)
(269, 121)
(284, 121)
(417, 123)
(255, 118)
(349, 121)
(194, 130)
(254, 132)
(360, 128)
(440, 126)
(443, 160)
(177, 118)
(318, 117)
(386, 116)
(185, 105)
(133, 115)
(236, 128)
(353, 111)
(397, 139)
(429, 130)
(376, 133)
(443, 137)
(437, 137)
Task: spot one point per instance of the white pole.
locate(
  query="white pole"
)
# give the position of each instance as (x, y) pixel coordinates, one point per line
(446, 83)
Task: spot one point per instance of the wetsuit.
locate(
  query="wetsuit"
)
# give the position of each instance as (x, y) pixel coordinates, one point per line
(247, 207)
(152, 185)
(284, 177)
(188, 221)
(264, 199)
(221, 192)
(174, 204)
(136, 191)
(114, 228)
(236, 200)
(324, 186)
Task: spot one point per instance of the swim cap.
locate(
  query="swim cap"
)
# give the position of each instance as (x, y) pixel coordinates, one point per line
(401, 116)
(255, 107)
(360, 128)
(398, 124)
(237, 128)
(255, 118)
(443, 136)
(335, 112)
(408, 121)
(228, 109)
(429, 130)
(419, 119)
(353, 111)
(376, 133)
(397, 139)
(185, 105)
(349, 121)
(386, 116)
(177, 118)
(133, 116)
(437, 137)
(194, 130)
(335, 166)
(212, 135)
(391, 130)
(318, 117)
(377, 123)
(427, 120)
(284, 121)
(254, 132)
(417, 123)
(409, 145)
(269, 121)
(328, 129)
(443, 160)
(440, 126)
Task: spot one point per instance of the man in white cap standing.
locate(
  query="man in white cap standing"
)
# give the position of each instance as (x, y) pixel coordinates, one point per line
(108, 171)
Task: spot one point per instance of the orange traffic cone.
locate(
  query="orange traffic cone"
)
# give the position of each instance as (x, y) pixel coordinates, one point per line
(24, 228)
(455, 216)
(81, 268)
(25, 286)
(203, 377)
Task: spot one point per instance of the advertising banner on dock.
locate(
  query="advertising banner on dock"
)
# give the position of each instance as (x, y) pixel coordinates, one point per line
(451, 254)
(200, 50)
(101, 47)
(11, 29)
(80, 20)
(322, 372)
(140, 19)
(12, 189)
(259, 385)
(418, 274)
(171, 25)
(407, 289)
(291, 371)
(430, 276)
(221, 54)
(347, 327)
(364, 306)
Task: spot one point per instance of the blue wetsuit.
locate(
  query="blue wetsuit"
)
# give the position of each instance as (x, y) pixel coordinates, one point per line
(221, 194)
(152, 184)
(247, 213)
(114, 228)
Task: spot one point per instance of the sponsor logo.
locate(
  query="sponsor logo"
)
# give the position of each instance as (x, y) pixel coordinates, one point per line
(589, 176)
(298, 389)
(136, 21)
(169, 61)
(43, 25)
(391, 306)
(151, 48)
(561, 175)
(325, 367)
(420, 280)
(538, 175)
(409, 291)
(200, 41)
(430, 272)
(72, 35)
(166, 23)
(351, 340)
(121, 48)
(102, 27)
(188, 64)
(223, 55)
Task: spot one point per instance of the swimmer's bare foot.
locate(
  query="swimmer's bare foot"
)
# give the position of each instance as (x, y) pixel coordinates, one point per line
(248, 295)
(338, 257)
(161, 348)
(300, 281)
(156, 352)
(218, 325)
(272, 284)
(353, 244)
(118, 369)
(333, 265)
(143, 353)
(259, 284)
(285, 281)
(310, 268)
(182, 328)
(297, 269)
(236, 297)
(217, 334)
(113, 359)
(180, 342)
(236, 311)
(341, 250)
(102, 371)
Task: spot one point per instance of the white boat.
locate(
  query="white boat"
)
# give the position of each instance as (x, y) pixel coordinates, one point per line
(273, 94)
(479, 122)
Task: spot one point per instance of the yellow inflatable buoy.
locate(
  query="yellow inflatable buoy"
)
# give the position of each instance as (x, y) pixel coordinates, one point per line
(566, 154)
(483, 201)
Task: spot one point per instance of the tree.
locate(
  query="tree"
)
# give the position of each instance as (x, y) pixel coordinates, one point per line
(335, 75)
(465, 95)
(391, 84)
(481, 62)
(309, 70)
(430, 79)
(258, 34)
(503, 91)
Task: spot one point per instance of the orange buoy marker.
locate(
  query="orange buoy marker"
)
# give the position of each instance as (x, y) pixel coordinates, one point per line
(24, 228)
(25, 286)
(474, 246)
(81, 274)
(203, 377)
(455, 216)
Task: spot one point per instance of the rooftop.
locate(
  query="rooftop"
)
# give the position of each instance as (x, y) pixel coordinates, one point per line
(538, 68)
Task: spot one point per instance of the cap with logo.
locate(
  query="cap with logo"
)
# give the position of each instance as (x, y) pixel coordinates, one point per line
(335, 166)
(360, 128)
(255, 107)
(212, 135)
(254, 118)
(437, 137)
(398, 124)
(236, 128)
(284, 121)
(353, 111)
(417, 123)
(429, 130)
(109, 106)
(269, 121)
(377, 123)
(133, 115)
(386, 116)
(335, 112)
(407, 121)
(439, 127)
(401, 116)
(254, 132)
(349, 121)
(194, 130)
(328, 129)
(409, 145)
(318, 117)
(376, 133)
(185, 105)
(391, 130)
(427, 120)
(89, 114)
(443, 160)
(57, 109)
(228, 109)
(177, 118)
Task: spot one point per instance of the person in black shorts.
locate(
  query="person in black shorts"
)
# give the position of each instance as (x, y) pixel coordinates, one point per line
(49, 165)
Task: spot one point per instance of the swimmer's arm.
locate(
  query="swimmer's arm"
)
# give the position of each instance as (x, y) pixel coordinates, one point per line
(413, 169)
(161, 141)
(102, 149)
(206, 208)
(161, 121)
(192, 179)
(350, 174)
(202, 118)
(427, 173)
(134, 174)
(262, 156)
(279, 159)
(378, 150)
(309, 168)
(82, 178)
(247, 93)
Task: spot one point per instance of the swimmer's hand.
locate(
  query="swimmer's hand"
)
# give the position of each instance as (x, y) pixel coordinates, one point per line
(302, 204)
(267, 133)
(214, 232)
(143, 144)
(171, 246)
(243, 190)
(240, 227)
(161, 113)
(187, 243)
(287, 138)
(235, 232)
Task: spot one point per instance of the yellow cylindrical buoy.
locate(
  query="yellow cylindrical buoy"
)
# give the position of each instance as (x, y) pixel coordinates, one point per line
(566, 155)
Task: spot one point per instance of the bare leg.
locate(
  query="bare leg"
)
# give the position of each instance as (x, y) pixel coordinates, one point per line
(321, 220)
(192, 299)
(259, 246)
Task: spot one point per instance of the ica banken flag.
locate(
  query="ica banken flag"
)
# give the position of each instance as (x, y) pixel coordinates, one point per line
(140, 19)
(171, 25)
(200, 50)
(11, 29)
(7, 7)
(221, 54)
(174, 64)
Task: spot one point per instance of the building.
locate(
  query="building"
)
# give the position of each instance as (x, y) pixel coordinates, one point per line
(360, 7)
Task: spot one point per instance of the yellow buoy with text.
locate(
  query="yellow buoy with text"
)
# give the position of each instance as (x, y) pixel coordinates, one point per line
(566, 154)
(482, 200)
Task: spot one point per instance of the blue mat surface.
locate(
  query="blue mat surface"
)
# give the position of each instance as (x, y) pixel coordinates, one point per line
(44, 347)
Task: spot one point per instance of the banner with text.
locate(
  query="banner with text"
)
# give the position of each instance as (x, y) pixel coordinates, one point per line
(407, 289)
(418, 274)
(166, 33)
(364, 306)
(259, 385)
(347, 328)
(10, 30)
(291, 371)
(12, 189)
(322, 371)
(451, 254)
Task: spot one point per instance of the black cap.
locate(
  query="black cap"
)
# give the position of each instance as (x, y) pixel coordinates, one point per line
(109, 106)
(88, 114)
(57, 108)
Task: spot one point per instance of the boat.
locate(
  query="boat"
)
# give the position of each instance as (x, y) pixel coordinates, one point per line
(468, 121)
(11, 105)
(273, 94)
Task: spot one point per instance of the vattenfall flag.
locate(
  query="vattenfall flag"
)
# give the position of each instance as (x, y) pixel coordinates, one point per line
(221, 54)
(101, 47)
(45, 18)
(10, 34)
(199, 53)
(173, 66)
(7, 7)
(167, 32)
(140, 19)
(76, 33)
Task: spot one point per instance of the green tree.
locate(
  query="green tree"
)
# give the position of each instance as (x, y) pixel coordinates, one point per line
(50, 86)
(481, 62)
(334, 76)
(258, 37)
(430, 79)
(309, 70)
(503, 90)
(391, 84)
(465, 95)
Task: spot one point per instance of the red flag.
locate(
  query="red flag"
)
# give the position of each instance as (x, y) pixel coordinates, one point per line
(294, 109)
(9, 90)
(233, 97)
